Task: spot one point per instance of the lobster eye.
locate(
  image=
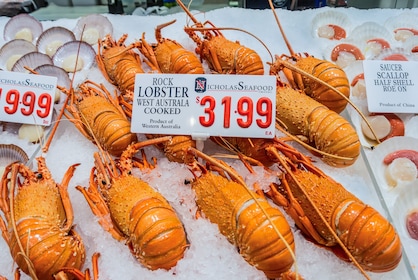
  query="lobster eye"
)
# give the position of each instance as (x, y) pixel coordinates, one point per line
(103, 182)
(39, 176)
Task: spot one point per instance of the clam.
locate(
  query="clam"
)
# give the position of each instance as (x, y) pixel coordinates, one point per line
(53, 38)
(10, 153)
(331, 25)
(12, 51)
(74, 56)
(63, 80)
(92, 28)
(22, 26)
(31, 60)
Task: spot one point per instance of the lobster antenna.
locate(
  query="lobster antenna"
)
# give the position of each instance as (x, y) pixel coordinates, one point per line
(289, 47)
(239, 180)
(55, 127)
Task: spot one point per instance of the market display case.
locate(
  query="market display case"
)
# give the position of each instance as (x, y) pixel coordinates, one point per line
(209, 255)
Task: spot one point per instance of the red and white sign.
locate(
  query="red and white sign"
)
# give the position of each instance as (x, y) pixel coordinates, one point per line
(26, 98)
(205, 105)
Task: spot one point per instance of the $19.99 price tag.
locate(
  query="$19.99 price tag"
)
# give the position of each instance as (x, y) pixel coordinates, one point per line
(205, 105)
(26, 98)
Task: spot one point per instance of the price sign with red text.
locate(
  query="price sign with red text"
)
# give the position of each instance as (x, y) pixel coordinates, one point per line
(26, 98)
(206, 105)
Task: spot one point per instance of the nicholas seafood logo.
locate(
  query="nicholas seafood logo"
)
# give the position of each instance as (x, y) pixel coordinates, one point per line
(200, 85)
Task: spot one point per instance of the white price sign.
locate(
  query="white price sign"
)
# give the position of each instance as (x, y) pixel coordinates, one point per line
(392, 86)
(205, 105)
(26, 98)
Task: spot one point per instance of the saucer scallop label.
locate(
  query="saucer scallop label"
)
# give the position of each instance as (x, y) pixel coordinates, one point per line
(391, 86)
(26, 98)
(205, 105)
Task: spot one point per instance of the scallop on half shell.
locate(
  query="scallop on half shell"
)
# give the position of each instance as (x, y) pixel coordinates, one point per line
(22, 26)
(53, 38)
(402, 26)
(406, 205)
(331, 25)
(396, 54)
(405, 219)
(411, 45)
(355, 75)
(395, 163)
(12, 51)
(375, 36)
(31, 60)
(92, 28)
(345, 52)
(74, 56)
(10, 153)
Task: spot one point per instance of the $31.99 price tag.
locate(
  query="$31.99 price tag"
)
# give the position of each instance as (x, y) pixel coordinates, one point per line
(205, 105)
(26, 98)
(242, 110)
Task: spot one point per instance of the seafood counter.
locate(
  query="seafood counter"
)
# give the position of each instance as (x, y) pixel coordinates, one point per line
(382, 175)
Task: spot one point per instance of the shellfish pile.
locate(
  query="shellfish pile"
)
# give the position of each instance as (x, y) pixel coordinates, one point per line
(210, 255)
(395, 160)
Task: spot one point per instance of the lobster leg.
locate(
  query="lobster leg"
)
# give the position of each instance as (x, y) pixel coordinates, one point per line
(99, 207)
(63, 190)
(148, 52)
(294, 209)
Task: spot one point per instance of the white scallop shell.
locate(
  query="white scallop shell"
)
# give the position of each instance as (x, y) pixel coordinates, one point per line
(330, 17)
(411, 45)
(380, 168)
(407, 20)
(12, 51)
(371, 33)
(396, 54)
(369, 30)
(358, 89)
(53, 38)
(22, 26)
(344, 58)
(406, 202)
(31, 60)
(63, 80)
(10, 153)
(65, 57)
(92, 28)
